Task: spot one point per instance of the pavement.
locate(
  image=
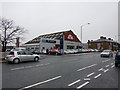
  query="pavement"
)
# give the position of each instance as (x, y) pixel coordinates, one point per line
(67, 71)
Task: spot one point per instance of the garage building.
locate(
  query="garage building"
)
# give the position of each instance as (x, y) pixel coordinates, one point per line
(52, 41)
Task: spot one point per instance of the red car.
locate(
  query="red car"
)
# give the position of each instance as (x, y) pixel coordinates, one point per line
(55, 52)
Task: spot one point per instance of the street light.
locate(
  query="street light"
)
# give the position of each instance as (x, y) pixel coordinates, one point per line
(81, 30)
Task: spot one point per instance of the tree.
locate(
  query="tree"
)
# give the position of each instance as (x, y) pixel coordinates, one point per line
(9, 32)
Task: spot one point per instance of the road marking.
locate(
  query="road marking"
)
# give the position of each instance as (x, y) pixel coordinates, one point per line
(107, 65)
(90, 74)
(74, 83)
(112, 66)
(82, 85)
(112, 63)
(39, 65)
(30, 66)
(97, 76)
(106, 70)
(106, 60)
(100, 69)
(17, 68)
(47, 64)
(87, 79)
(86, 67)
(33, 85)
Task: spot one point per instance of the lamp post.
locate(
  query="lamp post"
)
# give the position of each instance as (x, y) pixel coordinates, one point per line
(81, 30)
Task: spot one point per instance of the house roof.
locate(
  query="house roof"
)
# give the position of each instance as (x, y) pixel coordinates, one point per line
(49, 36)
(104, 40)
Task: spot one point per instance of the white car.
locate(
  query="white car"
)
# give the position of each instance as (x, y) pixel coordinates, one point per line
(74, 51)
(70, 51)
(20, 56)
(106, 53)
(66, 51)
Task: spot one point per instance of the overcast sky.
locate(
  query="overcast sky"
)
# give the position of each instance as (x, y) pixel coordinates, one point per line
(46, 17)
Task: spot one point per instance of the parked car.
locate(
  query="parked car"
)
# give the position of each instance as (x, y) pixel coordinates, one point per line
(84, 50)
(54, 52)
(20, 56)
(36, 52)
(66, 51)
(43, 51)
(70, 51)
(96, 50)
(106, 53)
(117, 59)
(74, 51)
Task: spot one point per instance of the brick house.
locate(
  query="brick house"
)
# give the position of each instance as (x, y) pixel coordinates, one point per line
(103, 43)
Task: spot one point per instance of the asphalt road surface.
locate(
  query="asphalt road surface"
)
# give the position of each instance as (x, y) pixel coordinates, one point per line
(68, 71)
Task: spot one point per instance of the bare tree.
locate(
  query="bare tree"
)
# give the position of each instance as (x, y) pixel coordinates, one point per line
(9, 32)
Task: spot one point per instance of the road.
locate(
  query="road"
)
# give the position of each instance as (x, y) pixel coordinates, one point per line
(68, 71)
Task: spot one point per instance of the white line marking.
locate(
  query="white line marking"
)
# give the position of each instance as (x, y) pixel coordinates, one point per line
(107, 65)
(86, 67)
(86, 79)
(90, 74)
(47, 64)
(105, 60)
(82, 85)
(17, 68)
(112, 63)
(74, 83)
(100, 69)
(106, 70)
(97, 76)
(39, 65)
(30, 86)
(112, 66)
(29, 66)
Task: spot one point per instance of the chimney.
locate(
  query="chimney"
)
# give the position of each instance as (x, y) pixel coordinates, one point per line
(104, 37)
(101, 37)
(109, 38)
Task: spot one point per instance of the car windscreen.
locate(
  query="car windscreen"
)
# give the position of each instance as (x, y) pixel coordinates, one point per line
(106, 51)
(11, 53)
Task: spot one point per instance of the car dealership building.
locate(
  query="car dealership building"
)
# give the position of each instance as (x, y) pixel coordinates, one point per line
(53, 41)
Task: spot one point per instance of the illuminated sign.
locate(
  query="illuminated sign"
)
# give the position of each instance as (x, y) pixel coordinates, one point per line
(48, 41)
(70, 37)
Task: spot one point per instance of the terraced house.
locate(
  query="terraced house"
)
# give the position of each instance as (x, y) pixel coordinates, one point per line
(103, 43)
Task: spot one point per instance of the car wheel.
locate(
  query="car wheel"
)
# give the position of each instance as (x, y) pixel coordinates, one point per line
(36, 59)
(16, 61)
(56, 53)
(116, 64)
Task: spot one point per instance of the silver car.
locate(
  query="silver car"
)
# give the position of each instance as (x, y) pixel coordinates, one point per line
(106, 53)
(20, 56)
